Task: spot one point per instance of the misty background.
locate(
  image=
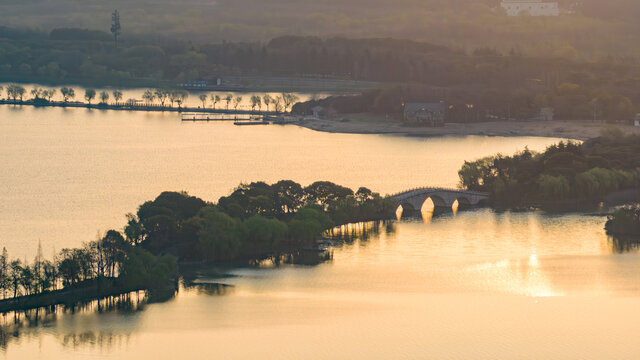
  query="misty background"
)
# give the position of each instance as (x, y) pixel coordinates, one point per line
(591, 29)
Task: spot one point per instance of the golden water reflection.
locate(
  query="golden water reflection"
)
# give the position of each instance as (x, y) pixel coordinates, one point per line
(428, 207)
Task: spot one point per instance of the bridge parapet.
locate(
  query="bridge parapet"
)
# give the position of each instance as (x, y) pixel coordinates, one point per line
(441, 197)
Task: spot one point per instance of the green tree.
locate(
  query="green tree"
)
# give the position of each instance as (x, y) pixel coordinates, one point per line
(148, 97)
(263, 235)
(267, 99)
(37, 93)
(277, 104)
(162, 96)
(228, 99)
(203, 99)
(236, 102)
(89, 95)
(142, 270)
(117, 96)
(67, 93)
(49, 94)
(114, 247)
(15, 91)
(288, 100)
(104, 97)
(220, 237)
(554, 187)
(5, 274)
(288, 196)
(256, 101)
(215, 98)
(15, 276)
(323, 192)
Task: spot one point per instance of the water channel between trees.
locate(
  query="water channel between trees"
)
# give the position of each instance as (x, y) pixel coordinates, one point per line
(548, 286)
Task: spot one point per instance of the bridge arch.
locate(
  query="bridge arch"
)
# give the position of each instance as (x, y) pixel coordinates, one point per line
(413, 201)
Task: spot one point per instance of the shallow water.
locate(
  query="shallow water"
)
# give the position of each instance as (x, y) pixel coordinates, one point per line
(478, 284)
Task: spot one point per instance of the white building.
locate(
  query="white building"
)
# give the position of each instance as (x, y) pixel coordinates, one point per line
(531, 8)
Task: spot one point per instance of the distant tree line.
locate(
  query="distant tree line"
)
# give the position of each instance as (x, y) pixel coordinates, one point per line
(255, 219)
(567, 170)
(501, 84)
(569, 101)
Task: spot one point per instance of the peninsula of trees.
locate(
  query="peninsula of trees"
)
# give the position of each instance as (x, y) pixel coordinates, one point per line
(565, 173)
(256, 221)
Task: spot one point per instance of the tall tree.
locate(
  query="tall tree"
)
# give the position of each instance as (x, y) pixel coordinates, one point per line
(148, 97)
(237, 101)
(115, 26)
(267, 100)
(289, 99)
(162, 95)
(4, 272)
(49, 94)
(215, 99)
(67, 93)
(117, 96)
(104, 97)
(203, 98)
(228, 99)
(89, 95)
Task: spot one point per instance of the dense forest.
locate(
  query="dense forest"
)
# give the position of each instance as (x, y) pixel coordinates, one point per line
(255, 220)
(591, 29)
(501, 85)
(565, 171)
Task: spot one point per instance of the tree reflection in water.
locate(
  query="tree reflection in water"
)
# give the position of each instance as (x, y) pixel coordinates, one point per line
(18, 324)
(621, 244)
(349, 233)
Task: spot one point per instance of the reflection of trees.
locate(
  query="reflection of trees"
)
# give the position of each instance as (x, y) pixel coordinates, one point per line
(99, 339)
(624, 244)
(209, 288)
(30, 323)
(349, 233)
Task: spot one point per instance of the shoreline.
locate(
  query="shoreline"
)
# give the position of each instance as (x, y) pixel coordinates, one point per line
(142, 108)
(567, 129)
(376, 124)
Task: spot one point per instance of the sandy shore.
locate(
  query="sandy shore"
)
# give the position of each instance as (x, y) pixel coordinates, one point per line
(362, 124)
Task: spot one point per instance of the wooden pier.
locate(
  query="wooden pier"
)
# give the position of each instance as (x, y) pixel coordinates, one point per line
(217, 117)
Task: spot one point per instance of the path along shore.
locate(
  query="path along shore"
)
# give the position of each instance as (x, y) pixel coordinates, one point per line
(573, 129)
(137, 107)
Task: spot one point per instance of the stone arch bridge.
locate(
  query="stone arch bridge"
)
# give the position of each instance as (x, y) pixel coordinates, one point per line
(443, 199)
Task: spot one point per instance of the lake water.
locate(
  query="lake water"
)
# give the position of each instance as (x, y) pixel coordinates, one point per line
(478, 284)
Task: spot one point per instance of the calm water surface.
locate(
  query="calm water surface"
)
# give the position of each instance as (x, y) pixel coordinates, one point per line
(479, 284)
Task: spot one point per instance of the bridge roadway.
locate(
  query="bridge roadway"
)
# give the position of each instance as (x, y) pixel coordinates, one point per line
(412, 200)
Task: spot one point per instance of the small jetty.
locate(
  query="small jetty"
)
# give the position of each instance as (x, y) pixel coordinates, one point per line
(238, 120)
(251, 122)
(215, 117)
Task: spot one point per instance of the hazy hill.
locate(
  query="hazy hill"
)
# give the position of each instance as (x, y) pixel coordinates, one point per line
(598, 29)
